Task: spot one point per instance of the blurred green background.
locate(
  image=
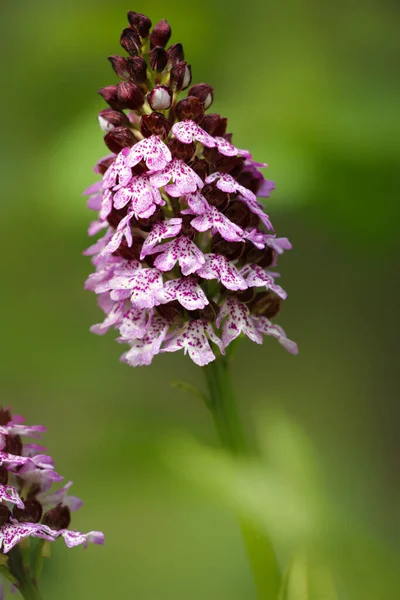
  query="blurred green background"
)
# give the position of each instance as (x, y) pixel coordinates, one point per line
(312, 88)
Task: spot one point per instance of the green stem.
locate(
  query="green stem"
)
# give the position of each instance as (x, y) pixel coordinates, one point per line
(25, 585)
(222, 405)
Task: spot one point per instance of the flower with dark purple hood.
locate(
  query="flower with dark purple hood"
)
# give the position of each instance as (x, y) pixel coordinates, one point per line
(184, 260)
(29, 507)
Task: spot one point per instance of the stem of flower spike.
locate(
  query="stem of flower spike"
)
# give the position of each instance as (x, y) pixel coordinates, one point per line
(25, 585)
(222, 405)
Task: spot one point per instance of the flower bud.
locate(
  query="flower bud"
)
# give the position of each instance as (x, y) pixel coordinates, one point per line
(5, 514)
(110, 95)
(5, 416)
(109, 119)
(119, 64)
(172, 311)
(232, 250)
(229, 164)
(118, 138)
(137, 68)
(264, 258)
(58, 517)
(32, 513)
(130, 41)
(103, 164)
(130, 252)
(116, 216)
(130, 95)
(3, 475)
(215, 196)
(246, 296)
(209, 312)
(175, 54)
(158, 59)
(266, 304)
(181, 76)
(204, 92)
(181, 151)
(200, 166)
(160, 34)
(140, 22)
(14, 445)
(189, 108)
(214, 124)
(155, 124)
(238, 213)
(160, 98)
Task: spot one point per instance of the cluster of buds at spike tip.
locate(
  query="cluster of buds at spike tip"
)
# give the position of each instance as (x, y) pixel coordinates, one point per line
(28, 505)
(186, 256)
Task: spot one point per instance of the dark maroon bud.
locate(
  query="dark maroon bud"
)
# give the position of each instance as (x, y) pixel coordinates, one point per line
(158, 59)
(209, 313)
(130, 252)
(204, 92)
(116, 215)
(5, 514)
(14, 445)
(214, 124)
(160, 34)
(130, 95)
(232, 250)
(130, 41)
(110, 95)
(32, 513)
(200, 166)
(249, 181)
(172, 311)
(189, 108)
(229, 164)
(147, 224)
(119, 64)
(141, 22)
(58, 517)
(266, 304)
(103, 164)
(34, 490)
(137, 68)
(181, 76)
(187, 228)
(211, 155)
(181, 151)
(215, 196)
(246, 296)
(264, 258)
(175, 54)
(5, 416)
(160, 98)
(109, 119)
(254, 221)
(118, 138)
(3, 475)
(155, 124)
(238, 213)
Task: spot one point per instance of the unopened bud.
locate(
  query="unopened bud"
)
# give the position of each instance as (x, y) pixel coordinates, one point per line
(175, 54)
(230, 164)
(181, 76)
(3, 475)
(181, 151)
(109, 119)
(158, 59)
(58, 517)
(119, 64)
(232, 250)
(160, 34)
(266, 304)
(200, 166)
(209, 312)
(203, 92)
(137, 68)
(141, 22)
(155, 124)
(264, 258)
(5, 514)
(103, 164)
(214, 124)
(118, 138)
(215, 196)
(238, 213)
(13, 445)
(130, 95)
(130, 41)
(160, 98)
(110, 95)
(189, 108)
(172, 311)
(32, 513)
(130, 252)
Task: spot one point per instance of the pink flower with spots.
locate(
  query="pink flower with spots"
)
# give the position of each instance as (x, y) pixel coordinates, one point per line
(265, 327)
(179, 202)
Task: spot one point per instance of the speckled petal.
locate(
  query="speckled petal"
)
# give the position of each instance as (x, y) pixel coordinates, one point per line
(218, 267)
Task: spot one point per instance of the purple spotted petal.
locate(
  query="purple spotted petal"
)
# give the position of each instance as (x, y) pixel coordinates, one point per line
(278, 244)
(228, 149)
(143, 350)
(118, 172)
(159, 232)
(218, 267)
(13, 533)
(182, 251)
(152, 150)
(265, 327)
(235, 319)
(135, 324)
(218, 222)
(256, 276)
(10, 494)
(193, 339)
(114, 313)
(188, 132)
(184, 178)
(226, 183)
(142, 286)
(142, 196)
(186, 290)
